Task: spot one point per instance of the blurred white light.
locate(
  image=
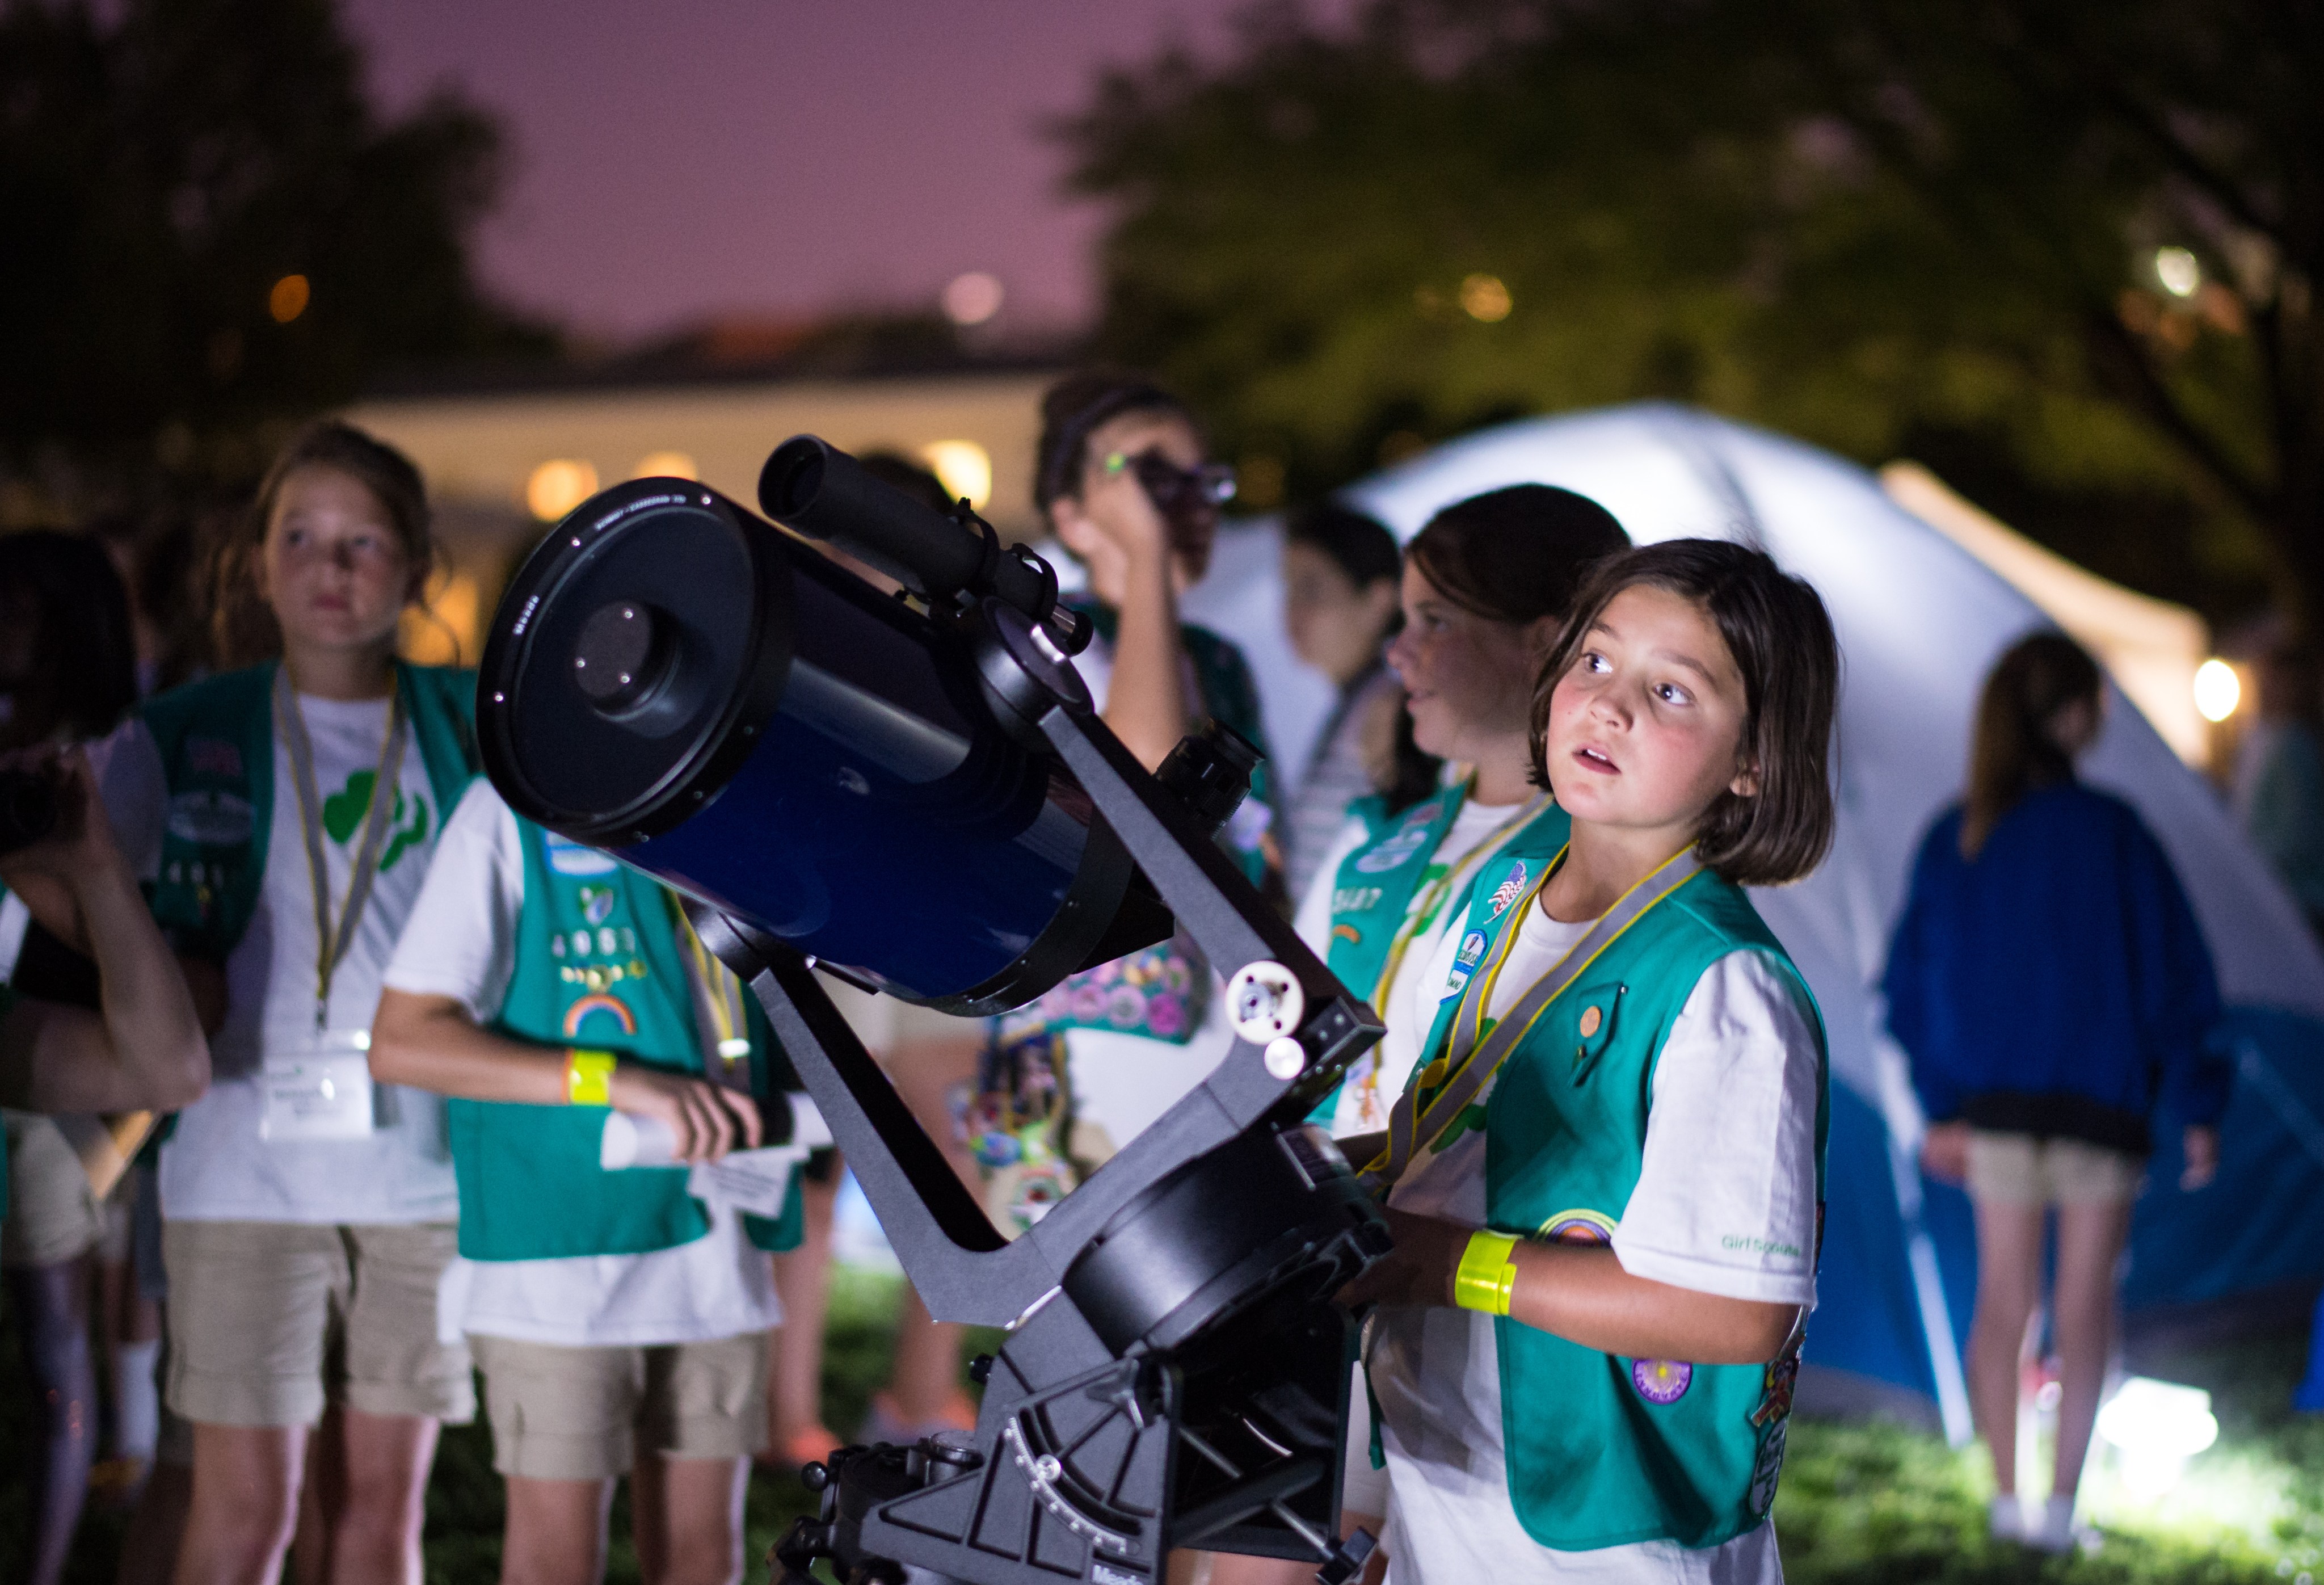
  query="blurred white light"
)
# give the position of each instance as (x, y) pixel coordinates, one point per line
(2156, 1426)
(665, 464)
(2218, 690)
(557, 487)
(965, 467)
(2179, 271)
(972, 299)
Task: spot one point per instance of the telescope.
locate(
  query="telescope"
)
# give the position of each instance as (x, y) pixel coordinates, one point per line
(914, 794)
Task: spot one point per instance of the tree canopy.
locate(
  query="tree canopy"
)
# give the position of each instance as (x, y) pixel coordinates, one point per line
(210, 232)
(2062, 252)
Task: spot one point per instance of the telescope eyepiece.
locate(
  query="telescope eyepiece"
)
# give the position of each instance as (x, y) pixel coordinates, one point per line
(813, 487)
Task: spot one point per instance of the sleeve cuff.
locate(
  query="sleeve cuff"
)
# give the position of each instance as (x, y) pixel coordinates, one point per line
(1714, 1277)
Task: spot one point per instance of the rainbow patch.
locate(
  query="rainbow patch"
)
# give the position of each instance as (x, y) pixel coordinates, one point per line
(1579, 1227)
(599, 1002)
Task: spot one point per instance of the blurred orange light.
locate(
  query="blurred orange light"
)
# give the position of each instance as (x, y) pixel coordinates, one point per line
(964, 468)
(289, 299)
(1485, 299)
(665, 464)
(558, 486)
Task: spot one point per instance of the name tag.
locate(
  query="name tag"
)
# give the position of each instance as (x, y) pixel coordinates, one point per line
(320, 1091)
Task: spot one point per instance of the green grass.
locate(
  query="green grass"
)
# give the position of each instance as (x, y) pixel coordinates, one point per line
(1859, 1503)
(1872, 1502)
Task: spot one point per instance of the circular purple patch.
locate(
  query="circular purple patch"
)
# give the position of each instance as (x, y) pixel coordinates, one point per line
(1662, 1381)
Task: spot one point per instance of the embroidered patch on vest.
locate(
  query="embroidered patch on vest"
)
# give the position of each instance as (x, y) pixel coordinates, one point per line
(1590, 1020)
(567, 857)
(1662, 1381)
(597, 1001)
(1346, 932)
(210, 756)
(596, 903)
(1409, 839)
(1579, 1227)
(1508, 891)
(1769, 1467)
(210, 819)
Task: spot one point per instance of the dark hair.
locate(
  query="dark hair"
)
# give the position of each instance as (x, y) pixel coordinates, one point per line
(244, 630)
(2012, 753)
(1356, 542)
(1515, 555)
(894, 469)
(83, 677)
(1413, 773)
(1776, 629)
(1076, 406)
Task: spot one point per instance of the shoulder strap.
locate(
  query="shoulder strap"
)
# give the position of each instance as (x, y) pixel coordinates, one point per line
(1445, 1088)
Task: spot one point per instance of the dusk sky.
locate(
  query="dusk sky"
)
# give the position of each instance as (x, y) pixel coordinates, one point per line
(680, 160)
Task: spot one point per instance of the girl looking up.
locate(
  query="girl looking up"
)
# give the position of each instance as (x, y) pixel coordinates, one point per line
(1484, 587)
(285, 814)
(1604, 1181)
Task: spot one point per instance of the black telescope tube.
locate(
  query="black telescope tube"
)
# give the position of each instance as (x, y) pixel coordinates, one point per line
(811, 486)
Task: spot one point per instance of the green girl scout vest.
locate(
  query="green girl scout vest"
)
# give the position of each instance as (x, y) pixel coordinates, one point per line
(598, 964)
(217, 743)
(1376, 884)
(1605, 1451)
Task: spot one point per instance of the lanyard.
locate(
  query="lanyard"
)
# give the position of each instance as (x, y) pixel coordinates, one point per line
(721, 992)
(1432, 894)
(1423, 910)
(330, 947)
(1472, 1055)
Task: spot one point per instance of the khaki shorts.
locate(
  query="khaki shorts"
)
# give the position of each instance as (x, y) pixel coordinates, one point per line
(268, 1321)
(53, 1215)
(2019, 1169)
(582, 1413)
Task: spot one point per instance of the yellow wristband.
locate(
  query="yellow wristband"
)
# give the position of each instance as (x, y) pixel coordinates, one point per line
(1486, 1278)
(588, 1078)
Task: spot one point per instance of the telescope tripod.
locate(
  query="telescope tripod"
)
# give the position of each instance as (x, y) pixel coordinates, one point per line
(1176, 1374)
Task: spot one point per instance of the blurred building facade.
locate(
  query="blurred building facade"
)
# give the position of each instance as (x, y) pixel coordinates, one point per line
(505, 458)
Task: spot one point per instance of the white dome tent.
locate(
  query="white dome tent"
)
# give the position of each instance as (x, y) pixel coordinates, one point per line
(1919, 621)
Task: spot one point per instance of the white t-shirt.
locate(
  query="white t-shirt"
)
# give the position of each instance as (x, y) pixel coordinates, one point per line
(461, 942)
(217, 1166)
(1725, 1203)
(1374, 1079)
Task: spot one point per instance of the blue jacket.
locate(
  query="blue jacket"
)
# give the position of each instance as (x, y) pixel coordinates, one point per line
(2057, 984)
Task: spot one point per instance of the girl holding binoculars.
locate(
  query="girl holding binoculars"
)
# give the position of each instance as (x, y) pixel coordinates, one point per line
(1124, 480)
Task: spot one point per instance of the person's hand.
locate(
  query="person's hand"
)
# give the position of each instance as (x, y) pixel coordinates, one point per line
(706, 1120)
(1418, 1271)
(1944, 1152)
(2198, 1149)
(1125, 516)
(49, 873)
